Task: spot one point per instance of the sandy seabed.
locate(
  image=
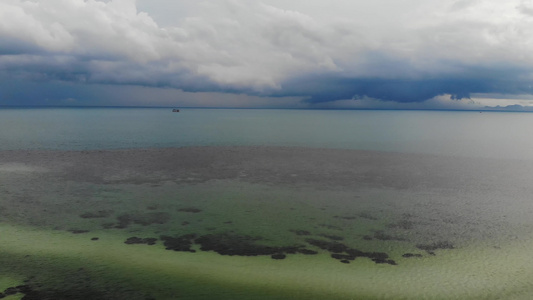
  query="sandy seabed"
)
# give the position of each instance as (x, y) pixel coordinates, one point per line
(263, 223)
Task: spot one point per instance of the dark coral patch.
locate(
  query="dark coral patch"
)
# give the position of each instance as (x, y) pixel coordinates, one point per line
(344, 261)
(342, 256)
(78, 231)
(179, 243)
(409, 255)
(137, 240)
(342, 252)
(356, 252)
(278, 256)
(24, 289)
(307, 251)
(11, 291)
(379, 258)
(241, 245)
(230, 244)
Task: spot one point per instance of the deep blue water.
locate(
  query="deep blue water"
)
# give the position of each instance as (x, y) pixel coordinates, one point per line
(487, 134)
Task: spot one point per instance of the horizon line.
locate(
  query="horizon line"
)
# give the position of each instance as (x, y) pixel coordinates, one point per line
(256, 108)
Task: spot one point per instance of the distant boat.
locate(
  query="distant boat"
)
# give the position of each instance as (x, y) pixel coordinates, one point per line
(175, 110)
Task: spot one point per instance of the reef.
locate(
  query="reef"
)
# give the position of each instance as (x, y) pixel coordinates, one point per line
(307, 251)
(241, 245)
(409, 255)
(231, 244)
(23, 289)
(84, 291)
(345, 254)
(138, 240)
(78, 231)
(179, 243)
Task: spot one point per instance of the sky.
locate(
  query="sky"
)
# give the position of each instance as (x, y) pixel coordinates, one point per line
(382, 54)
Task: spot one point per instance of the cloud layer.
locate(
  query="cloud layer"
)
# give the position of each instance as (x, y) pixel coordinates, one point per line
(396, 51)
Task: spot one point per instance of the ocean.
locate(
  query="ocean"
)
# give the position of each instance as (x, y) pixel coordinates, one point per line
(144, 203)
(460, 133)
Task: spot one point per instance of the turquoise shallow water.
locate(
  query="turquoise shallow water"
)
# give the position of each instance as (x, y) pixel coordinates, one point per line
(472, 134)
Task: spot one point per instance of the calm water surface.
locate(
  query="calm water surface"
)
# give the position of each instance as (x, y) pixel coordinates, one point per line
(473, 134)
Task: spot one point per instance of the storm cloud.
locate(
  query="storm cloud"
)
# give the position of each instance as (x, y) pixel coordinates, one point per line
(404, 52)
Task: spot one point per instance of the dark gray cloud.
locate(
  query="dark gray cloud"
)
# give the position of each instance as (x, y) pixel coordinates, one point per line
(398, 90)
(490, 81)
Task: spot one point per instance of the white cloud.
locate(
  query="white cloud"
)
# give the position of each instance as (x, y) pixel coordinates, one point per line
(526, 7)
(83, 28)
(250, 45)
(256, 46)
